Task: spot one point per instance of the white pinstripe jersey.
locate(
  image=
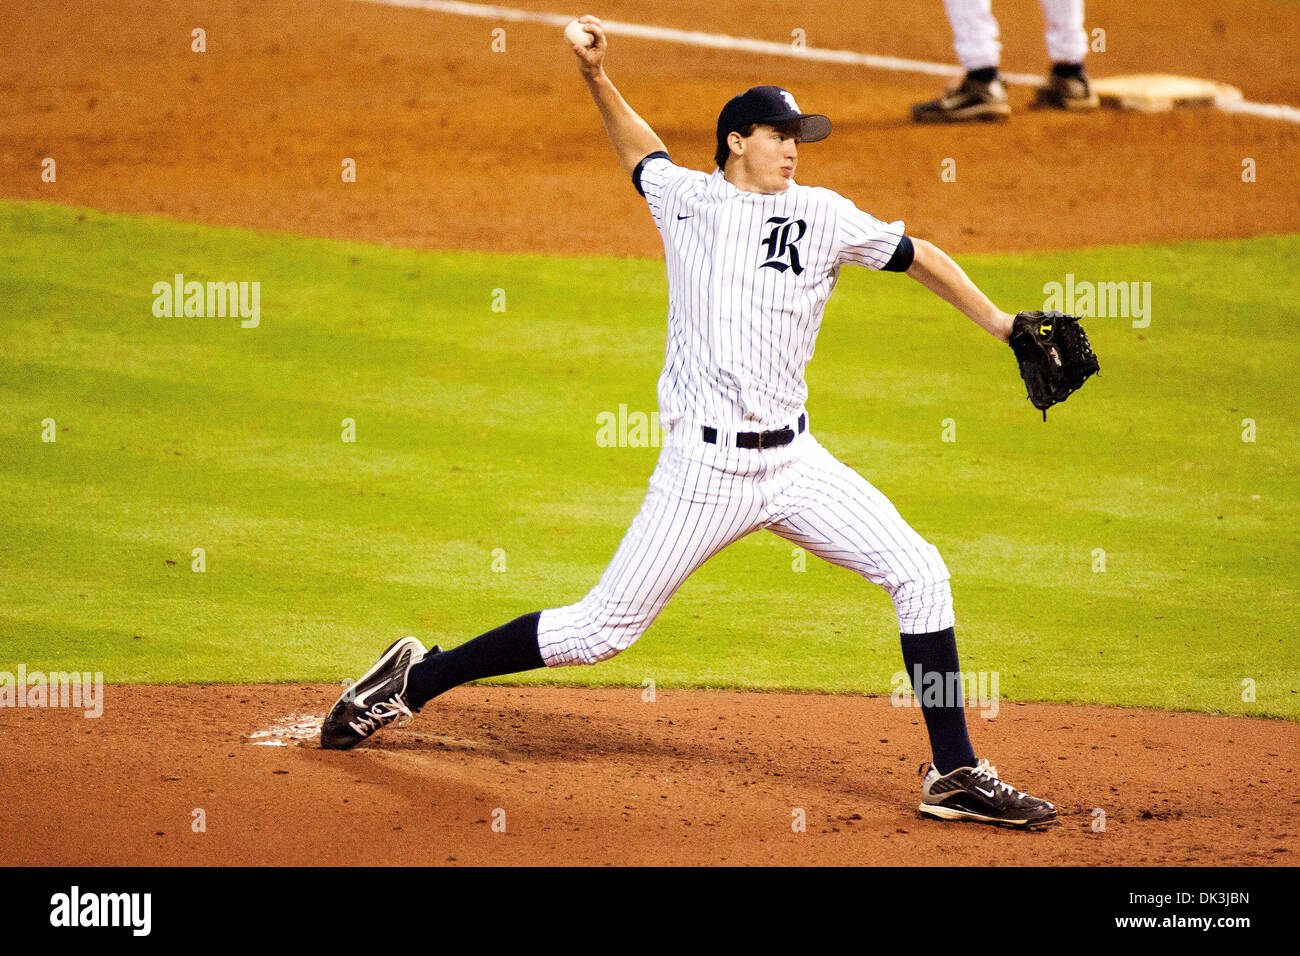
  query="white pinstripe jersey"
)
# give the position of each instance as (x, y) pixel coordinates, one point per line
(749, 275)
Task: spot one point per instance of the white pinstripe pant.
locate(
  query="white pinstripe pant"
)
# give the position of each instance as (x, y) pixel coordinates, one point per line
(704, 497)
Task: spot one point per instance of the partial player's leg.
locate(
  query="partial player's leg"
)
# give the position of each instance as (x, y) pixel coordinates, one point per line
(832, 511)
(838, 515)
(1067, 85)
(692, 510)
(981, 95)
(974, 33)
(841, 517)
(696, 506)
(1067, 41)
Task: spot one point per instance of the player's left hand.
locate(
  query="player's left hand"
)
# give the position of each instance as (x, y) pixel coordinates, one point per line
(1055, 356)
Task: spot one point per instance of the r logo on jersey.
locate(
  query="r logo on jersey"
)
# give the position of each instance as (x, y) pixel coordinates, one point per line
(781, 244)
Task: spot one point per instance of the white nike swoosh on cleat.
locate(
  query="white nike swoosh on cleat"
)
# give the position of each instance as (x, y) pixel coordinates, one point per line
(362, 700)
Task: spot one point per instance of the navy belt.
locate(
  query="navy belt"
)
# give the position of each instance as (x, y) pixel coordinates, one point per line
(771, 439)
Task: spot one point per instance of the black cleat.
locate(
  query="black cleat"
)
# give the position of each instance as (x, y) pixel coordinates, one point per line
(376, 700)
(971, 100)
(1068, 93)
(976, 793)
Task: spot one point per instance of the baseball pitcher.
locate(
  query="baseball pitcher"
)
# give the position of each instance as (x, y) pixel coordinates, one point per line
(752, 258)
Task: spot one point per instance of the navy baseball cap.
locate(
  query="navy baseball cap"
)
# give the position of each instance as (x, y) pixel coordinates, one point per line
(769, 104)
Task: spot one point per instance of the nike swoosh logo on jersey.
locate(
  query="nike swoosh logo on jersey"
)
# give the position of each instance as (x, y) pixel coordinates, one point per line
(685, 217)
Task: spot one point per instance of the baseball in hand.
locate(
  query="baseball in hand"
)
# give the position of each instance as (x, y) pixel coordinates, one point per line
(576, 35)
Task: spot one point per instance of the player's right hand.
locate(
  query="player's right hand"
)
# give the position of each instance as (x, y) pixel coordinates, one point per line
(591, 59)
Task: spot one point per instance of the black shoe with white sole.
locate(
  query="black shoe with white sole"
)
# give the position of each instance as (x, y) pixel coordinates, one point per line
(976, 793)
(971, 100)
(1068, 93)
(376, 700)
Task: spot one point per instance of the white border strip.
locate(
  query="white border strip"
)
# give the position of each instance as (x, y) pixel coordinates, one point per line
(716, 41)
(1267, 110)
(721, 41)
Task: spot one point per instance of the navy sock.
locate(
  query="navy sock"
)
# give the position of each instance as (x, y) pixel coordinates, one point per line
(508, 649)
(984, 75)
(931, 654)
(1067, 70)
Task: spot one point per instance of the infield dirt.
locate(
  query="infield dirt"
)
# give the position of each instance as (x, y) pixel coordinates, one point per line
(606, 777)
(458, 147)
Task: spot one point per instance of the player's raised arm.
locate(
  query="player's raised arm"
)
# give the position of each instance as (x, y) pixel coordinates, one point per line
(630, 135)
(934, 269)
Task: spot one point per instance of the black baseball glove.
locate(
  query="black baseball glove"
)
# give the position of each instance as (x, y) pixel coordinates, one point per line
(1054, 354)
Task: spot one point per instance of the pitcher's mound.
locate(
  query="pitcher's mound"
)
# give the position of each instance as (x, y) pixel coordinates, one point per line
(558, 775)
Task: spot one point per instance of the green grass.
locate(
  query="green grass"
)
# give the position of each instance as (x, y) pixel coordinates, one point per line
(476, 431)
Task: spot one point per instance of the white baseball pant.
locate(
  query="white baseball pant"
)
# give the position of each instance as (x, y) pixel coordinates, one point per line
(975, 32)
(705, 497)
